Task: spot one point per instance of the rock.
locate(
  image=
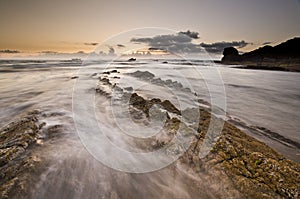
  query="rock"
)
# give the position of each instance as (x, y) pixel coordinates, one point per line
(144, 105)
(94, 74)
(117, 89)
(15, 140)
(138, 102)
(105, 81)
(169, 82)
(54, 130)
(157, 81)
(170, 107)
(230, 51)
(146, 75)
(256, 170)
(42, 125)
(114, 71)
(241, 166)
(130, 89)
(132, 59)
(230, 54)
(177, 85)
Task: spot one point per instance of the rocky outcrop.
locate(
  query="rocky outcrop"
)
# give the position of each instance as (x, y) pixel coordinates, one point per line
(256, 170)
(285, 56)
(230, 54)
(286, 50)
(237, 165)
(15, 164)
(246, 166)
(144, 105)
(145, 75)
(132, 59)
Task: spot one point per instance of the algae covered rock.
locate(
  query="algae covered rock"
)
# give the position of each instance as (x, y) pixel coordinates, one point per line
(254, 169)
(15, 140)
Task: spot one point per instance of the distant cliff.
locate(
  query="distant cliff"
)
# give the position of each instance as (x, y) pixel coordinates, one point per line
(285, 56)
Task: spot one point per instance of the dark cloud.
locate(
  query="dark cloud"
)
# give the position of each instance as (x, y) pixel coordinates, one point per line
(49, 52)
(120, 46)
(163, 40)
(81, 52)
(91, 43)
(174, 43)
(9, 51)
(267, 43)
(194, 35)
(155, 49)
(80, 43)
(182, 43)
(218, 47)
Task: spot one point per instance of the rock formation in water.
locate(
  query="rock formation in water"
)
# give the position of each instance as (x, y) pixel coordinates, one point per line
(15, 162)
(20, 164)
(285, 56)
(242, 165)
(132, 59)
(237, 165)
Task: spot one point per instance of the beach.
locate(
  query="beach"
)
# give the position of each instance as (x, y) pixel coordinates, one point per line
(63, 162)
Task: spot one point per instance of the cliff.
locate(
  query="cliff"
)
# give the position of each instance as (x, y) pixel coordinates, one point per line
(285, 56)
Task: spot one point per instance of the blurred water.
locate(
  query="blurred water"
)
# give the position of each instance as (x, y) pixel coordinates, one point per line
(254, 99)
(269, 99)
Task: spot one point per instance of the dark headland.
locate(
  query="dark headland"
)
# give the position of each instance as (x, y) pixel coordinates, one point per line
(283, 57)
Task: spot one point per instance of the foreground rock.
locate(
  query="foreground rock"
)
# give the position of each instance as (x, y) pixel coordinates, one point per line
(237, 165)
(255, 170)
(16, 163)
(247, 167)
(283, 57)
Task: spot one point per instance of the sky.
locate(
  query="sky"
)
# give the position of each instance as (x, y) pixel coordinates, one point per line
(66, 26)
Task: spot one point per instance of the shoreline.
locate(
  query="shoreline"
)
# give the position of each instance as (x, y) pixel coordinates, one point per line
(255, 66)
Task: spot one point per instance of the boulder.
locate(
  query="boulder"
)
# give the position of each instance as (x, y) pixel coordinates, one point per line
(230, 54)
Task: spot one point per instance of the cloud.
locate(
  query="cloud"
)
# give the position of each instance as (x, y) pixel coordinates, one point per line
(56, 54)
(163, 40)
(120, 46)
(182, 42)
(267, 43)
(49, 52)
(194, 35)
(218, 47)
(63, 53)
(91, 43)
(80, 52)
(174, 43)
(7, 51)
(155, 48)
(80, 43)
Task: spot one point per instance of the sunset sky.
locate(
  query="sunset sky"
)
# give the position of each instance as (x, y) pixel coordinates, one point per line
(30, 26)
